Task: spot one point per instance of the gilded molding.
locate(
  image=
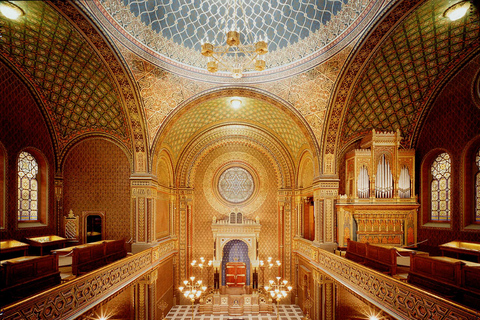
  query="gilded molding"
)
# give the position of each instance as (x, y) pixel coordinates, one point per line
(72, 298)
(399, 299)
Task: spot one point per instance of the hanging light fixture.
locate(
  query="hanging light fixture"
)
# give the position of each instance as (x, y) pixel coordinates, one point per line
(457, 11)
(11, 10)
(234, 56)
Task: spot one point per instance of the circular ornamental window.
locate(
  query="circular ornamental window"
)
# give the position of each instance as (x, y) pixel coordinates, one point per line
(236, 185)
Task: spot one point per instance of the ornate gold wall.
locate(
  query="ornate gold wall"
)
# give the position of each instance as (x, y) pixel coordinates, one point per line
(264, 204)
(97, 178)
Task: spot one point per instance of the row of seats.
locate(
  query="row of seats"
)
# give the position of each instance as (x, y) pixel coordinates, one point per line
(23, 276)
(452, 278)
(379, 258)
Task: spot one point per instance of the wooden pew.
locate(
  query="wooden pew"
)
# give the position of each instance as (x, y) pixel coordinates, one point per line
(471, 285)
(115, 250)
(24, 276)
(381, 259)
(440, 274)
(375, 257)
(89, 257)
(356, 251)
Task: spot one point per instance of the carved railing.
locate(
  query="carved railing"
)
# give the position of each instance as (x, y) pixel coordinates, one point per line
(399, 299)
(73, 298)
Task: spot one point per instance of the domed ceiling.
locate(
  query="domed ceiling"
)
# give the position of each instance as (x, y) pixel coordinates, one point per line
(172, 31)
(214, 112)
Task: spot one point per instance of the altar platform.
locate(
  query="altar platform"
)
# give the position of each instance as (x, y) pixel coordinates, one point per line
(184, 312)
(236, 302)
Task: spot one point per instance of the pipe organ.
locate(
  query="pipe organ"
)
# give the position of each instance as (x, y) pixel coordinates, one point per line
(379, 205)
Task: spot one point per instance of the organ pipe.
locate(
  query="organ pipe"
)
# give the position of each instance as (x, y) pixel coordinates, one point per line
(363, 183)
(404, 183)
(384, 179)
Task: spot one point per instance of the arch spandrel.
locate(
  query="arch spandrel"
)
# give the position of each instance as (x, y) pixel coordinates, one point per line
(294, 125)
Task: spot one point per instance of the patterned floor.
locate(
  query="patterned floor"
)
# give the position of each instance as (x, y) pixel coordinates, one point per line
(287, 312)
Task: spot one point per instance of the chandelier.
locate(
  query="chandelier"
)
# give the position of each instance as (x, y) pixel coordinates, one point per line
(233, 56)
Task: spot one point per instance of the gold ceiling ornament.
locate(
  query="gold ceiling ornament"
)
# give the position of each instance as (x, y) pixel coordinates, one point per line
(457, 11)
(234, 56)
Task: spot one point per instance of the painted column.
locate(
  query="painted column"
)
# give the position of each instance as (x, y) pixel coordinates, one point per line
(59, 205)
(144, 194)
(299, 216)
(325, 193)
(185, 197)
(145, 297)
(324, 305)
(286, 202)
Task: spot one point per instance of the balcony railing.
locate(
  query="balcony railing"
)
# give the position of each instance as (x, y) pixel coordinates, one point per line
(399, 299)
(71, 299)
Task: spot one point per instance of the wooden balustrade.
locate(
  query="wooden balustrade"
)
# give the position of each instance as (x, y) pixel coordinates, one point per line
(72, 298)
(399, 299)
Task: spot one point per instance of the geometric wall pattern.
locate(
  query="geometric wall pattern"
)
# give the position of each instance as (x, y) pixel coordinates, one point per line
(452, 139)
(97, 178)
(73, 81)
(175, 29)
(253, 111)
(235, 251)
(204, 211)
(402, 73)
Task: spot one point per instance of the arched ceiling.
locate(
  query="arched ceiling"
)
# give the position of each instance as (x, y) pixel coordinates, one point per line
(66, 67)
(169, 33)
(396, 70)
(410, 62)
(218, 111)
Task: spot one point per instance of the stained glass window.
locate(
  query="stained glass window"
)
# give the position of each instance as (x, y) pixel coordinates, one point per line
(27, 187)
(440, 188)
(477, 187)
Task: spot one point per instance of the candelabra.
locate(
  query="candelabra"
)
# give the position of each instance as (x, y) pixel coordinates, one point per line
(278, 290)
(234, 56)
(201, 265)
(270, 264)
(193, 290)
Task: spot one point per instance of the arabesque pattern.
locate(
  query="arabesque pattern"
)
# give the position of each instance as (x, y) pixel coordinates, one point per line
(175, 29)
(398, 298)
(78, 89)
(410, 62)
(219, 110)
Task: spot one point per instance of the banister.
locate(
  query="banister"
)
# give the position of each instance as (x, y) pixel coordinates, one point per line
(71, 299)
(401, 300)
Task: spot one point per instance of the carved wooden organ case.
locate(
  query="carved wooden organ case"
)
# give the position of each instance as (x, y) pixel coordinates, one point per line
(379, 206)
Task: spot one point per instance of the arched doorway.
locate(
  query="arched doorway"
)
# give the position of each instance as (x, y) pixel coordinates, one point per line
(235, 251)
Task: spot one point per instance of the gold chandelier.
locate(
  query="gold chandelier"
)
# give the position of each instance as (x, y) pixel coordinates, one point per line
(233, 56)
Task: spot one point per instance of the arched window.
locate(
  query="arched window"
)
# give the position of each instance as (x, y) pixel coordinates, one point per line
(440, 188)
(28, 185)
(477, 187)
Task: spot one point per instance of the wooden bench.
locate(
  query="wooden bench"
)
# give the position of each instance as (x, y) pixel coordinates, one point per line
(115, 250)
(375, 257)
(471, 285)
(24, 276)
(381, 259)
(440, 274)
(356, 251)
(90, 257)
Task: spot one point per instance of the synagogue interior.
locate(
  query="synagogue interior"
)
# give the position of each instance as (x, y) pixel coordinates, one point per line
(240, 159)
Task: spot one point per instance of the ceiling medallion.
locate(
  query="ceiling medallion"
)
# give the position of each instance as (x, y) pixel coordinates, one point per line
(233, 56)
(236, 185)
